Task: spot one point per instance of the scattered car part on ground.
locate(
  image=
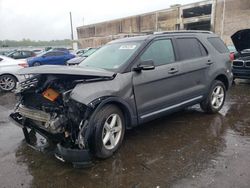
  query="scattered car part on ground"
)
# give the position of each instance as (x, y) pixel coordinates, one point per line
(85, 109)
(241, 64)
(8, 72)
(51, 57)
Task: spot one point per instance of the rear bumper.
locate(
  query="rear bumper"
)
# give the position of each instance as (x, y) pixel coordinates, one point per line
(79, 158)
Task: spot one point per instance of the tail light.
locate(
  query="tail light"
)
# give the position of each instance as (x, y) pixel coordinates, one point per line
(24, 65)
(232, 57)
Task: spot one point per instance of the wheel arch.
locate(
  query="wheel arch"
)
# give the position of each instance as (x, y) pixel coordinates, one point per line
(223, 78)
(123, 105)
(10, 75)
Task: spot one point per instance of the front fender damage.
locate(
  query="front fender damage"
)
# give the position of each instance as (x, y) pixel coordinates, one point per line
(66, 120)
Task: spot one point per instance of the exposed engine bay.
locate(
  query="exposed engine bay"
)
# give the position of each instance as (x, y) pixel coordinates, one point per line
(45, 102)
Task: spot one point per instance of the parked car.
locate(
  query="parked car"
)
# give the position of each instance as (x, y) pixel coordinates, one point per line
(82, 57)
(241, 64)
(51, 57)
(8, 72)
(21, 54)
(86, 109)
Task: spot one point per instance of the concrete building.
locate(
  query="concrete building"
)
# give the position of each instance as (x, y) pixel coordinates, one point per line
(223, 17)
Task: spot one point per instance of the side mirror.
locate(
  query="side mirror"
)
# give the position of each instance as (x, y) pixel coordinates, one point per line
(145, 65)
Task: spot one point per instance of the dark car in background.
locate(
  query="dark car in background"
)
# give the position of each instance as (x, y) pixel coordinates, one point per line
(77, 60)
(241, 64)
(52, 57)
(86, 109)
(21, 54)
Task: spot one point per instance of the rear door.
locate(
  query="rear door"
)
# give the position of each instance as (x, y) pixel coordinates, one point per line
(60, 58)
(194, 63)
(55, 58)
(48, 58)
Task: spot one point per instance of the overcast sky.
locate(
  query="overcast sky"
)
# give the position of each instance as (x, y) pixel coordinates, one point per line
(49, 19)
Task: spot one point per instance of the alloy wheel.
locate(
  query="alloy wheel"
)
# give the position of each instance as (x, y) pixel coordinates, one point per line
(7, 83)
(217, 97)
(112, 131)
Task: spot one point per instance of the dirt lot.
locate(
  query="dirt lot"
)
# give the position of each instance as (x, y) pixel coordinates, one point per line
(186, 149)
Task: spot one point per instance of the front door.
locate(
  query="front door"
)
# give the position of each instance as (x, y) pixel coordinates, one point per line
(156, 89)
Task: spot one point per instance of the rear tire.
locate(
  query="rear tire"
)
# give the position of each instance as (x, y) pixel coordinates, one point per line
(109, 131)
(215, 99)
(7, 82)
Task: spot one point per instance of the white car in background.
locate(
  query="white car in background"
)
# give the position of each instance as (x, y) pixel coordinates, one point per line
(8, 72)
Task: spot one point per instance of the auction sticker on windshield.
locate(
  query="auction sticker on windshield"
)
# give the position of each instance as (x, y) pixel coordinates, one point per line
(127, 47)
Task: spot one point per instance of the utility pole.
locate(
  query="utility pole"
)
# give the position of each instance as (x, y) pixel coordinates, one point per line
(223, 19)
(72, 36)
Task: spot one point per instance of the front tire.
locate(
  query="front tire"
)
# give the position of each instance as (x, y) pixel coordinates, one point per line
(7, 82)
(216, 98)
(109, 131)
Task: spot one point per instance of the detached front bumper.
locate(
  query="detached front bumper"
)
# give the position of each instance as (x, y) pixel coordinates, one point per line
(79, 158)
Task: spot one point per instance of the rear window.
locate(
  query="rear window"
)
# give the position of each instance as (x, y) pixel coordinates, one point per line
(190, 48)
(218, 44)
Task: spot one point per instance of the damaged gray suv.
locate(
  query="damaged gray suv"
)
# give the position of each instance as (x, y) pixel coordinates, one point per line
(84, 110)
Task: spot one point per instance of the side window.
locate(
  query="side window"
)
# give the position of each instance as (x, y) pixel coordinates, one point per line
(218, 44)
(160, 51)
(17, 54)
(49, 54)
(190, 48)
(26, 53)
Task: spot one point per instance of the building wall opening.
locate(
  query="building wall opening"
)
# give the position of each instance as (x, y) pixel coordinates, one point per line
(203, 25)
(197, 11)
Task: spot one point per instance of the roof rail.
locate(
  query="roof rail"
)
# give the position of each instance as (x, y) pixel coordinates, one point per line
(183, 31)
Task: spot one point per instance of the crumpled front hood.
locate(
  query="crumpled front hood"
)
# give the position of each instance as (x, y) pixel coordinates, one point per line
(241, 39)
(66, 70)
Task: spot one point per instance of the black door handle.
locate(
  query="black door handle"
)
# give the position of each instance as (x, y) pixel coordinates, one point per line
(172, 71)
(209, 62)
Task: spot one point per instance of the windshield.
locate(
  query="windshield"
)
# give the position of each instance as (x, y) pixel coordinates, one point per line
(111, 56)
